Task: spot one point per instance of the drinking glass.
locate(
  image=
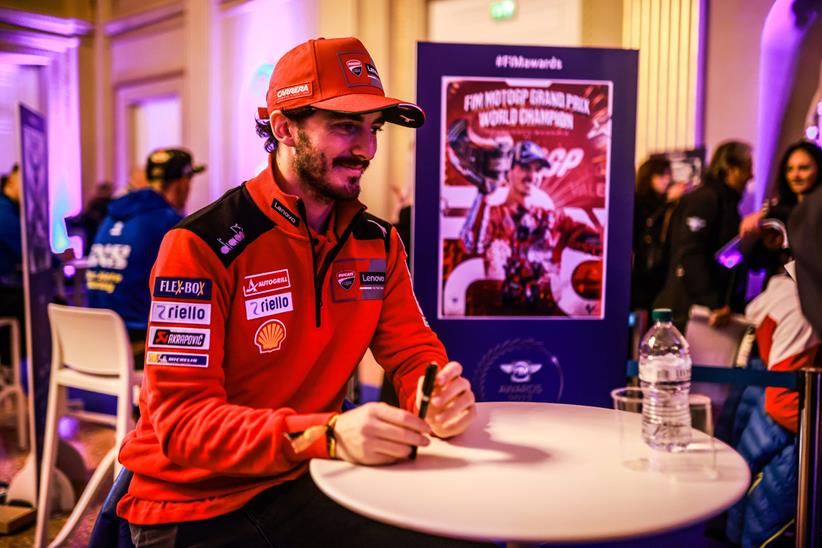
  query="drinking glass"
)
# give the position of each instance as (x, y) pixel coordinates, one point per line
(633, 452)
(697, 462)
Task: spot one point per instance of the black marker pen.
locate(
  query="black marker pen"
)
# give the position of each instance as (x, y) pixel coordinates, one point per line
(427, 388)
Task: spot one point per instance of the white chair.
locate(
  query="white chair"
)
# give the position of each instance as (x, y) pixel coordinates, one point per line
(726, 346)
(10, 386)
(90, 351)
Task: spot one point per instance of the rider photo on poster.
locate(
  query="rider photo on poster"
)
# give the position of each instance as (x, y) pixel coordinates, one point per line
(523, 186)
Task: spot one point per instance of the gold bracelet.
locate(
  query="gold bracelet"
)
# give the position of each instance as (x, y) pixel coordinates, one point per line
(330, 438)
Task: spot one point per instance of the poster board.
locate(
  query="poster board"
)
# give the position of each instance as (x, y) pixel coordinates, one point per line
(38, 288)
(522, 215)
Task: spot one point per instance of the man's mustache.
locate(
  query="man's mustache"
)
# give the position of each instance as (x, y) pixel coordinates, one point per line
(351, 161)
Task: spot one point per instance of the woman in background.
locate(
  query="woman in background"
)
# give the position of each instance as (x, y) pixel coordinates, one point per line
(652, 210)
(800, 171)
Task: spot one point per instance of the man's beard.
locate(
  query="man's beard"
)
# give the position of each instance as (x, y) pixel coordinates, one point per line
(311, 166)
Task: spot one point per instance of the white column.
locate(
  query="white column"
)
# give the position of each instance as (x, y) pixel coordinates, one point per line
(202, 128)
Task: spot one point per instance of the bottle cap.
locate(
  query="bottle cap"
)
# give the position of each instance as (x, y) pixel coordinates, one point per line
(662, 315)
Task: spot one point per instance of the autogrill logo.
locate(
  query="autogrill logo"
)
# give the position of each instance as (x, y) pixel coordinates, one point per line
(266, 282)
(300, 90)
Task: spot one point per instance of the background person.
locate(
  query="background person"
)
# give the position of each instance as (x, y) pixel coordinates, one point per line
(88, 221)
(702, 223)
(653, 206)
(291, 281)
(127, 242)
(767, 420)
(800, 171)
(11, 257)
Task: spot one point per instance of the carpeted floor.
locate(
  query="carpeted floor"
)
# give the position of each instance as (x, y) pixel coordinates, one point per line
(91, 441)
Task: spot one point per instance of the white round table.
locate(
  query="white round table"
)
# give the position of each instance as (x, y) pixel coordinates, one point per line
(531, 472)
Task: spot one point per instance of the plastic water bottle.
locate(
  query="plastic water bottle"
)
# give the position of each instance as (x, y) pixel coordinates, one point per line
(665, 374)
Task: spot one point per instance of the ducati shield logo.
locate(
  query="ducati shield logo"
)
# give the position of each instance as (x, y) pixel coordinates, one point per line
(355, 66)
(346, 278)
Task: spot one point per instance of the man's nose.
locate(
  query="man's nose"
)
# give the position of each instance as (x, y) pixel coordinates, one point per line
(365, 145)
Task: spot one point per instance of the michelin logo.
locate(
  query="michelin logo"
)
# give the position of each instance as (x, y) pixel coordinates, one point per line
(184, 360)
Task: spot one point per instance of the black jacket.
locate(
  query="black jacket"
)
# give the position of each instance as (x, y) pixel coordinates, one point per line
(805, 236)
(703, 222)
(650, 266)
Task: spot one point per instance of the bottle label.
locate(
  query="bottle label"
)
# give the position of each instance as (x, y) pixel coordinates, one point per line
(665, 370)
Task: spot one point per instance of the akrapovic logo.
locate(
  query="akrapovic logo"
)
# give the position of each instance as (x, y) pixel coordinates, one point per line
(278, 206)
(177, 337)
(292, 92)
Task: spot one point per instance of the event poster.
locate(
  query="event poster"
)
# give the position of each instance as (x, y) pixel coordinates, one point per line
(524, 187)
(522, 215)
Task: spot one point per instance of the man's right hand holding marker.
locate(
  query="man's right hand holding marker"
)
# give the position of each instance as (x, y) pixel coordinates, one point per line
(377, 433)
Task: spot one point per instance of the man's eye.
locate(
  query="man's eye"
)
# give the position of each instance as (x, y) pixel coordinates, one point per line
(347, 127)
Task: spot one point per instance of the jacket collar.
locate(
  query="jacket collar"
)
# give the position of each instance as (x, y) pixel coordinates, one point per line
(285, 209)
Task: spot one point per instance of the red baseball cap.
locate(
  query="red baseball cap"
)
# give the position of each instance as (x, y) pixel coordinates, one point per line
(338, 75)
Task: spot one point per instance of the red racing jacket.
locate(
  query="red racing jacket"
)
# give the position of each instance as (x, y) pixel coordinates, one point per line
(251, 338)
(786, 342)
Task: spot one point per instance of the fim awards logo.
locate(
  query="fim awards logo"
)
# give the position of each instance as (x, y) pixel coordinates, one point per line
(519, 370)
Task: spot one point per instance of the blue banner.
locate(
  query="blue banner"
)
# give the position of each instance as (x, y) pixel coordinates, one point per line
(38, 279)
(522, 217)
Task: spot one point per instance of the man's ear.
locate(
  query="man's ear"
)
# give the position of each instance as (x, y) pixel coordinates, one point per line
(284, 130)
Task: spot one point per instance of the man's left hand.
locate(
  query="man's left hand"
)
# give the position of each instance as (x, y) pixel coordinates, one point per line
(451, 408)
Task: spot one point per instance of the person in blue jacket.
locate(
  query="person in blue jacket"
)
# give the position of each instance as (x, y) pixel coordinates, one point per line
(11, 257)
(127, 242)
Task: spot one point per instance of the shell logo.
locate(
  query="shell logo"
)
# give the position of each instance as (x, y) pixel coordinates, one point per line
(270, 336)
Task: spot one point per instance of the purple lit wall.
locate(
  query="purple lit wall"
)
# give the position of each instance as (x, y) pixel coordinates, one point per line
(781, 41)
(65, 184)
(252, 43)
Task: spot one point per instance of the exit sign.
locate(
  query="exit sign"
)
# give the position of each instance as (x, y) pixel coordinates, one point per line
(502, 9)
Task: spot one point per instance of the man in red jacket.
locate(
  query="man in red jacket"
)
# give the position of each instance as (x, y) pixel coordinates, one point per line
(263, 304)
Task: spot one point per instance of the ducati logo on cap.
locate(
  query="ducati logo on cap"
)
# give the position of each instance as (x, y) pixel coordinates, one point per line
(355, 66)
(359, 69)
